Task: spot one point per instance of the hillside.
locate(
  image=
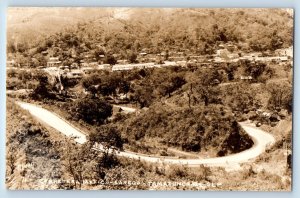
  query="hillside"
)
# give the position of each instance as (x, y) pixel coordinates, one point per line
(210, 129)
(123, 31)
(29, 25)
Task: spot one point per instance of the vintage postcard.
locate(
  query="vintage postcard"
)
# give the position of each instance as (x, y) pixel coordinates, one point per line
(149, 99)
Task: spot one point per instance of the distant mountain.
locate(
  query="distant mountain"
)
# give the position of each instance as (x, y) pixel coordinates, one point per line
(31, 24)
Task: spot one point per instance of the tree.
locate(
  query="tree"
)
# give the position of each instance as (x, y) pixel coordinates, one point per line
(281, 96)
(110, 139)
(109, 84)
(240, 97)
(81, 162)
(171, 84)
(90, 82)
(230, 69)
(142, 95)
(72, 161)
(206, 86)
(132, 56)
(98, 52)
(209, 94)
(110, 59)
(91, 110)
(41, 60)
(254, 69)
(25, 76)
(166, 56)
(66, 83)
(22, 47)
(124, 86)
(276, 41)
(43, 89)
(22, 60)
(108, 136)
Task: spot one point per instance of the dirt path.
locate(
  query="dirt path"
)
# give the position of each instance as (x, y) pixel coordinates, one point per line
(261, 141)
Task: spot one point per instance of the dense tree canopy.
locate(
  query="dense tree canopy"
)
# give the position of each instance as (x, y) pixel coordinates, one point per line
(91, 110)
(281, 96)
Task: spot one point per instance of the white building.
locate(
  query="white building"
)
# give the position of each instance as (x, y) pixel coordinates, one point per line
(132, 66)
(104, 67)
(169, 63)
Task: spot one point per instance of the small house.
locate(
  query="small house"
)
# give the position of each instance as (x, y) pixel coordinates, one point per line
(53, 62)
(246, 78)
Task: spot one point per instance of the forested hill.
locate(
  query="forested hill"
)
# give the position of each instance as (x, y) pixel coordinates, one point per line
(122, 31)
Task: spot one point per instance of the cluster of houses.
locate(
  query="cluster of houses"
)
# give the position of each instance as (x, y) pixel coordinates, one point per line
(67, 71)
(226, 53)
(74, 71)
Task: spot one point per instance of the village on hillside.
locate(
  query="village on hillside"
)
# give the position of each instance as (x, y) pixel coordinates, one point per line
(227, 53)
(149, 99)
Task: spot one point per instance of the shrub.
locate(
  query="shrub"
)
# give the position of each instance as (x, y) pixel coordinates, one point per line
(91, 110)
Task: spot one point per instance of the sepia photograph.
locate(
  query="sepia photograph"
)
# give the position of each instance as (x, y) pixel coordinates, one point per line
(108, 98)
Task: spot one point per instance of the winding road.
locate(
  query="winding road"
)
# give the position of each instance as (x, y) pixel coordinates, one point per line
(260, 138)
